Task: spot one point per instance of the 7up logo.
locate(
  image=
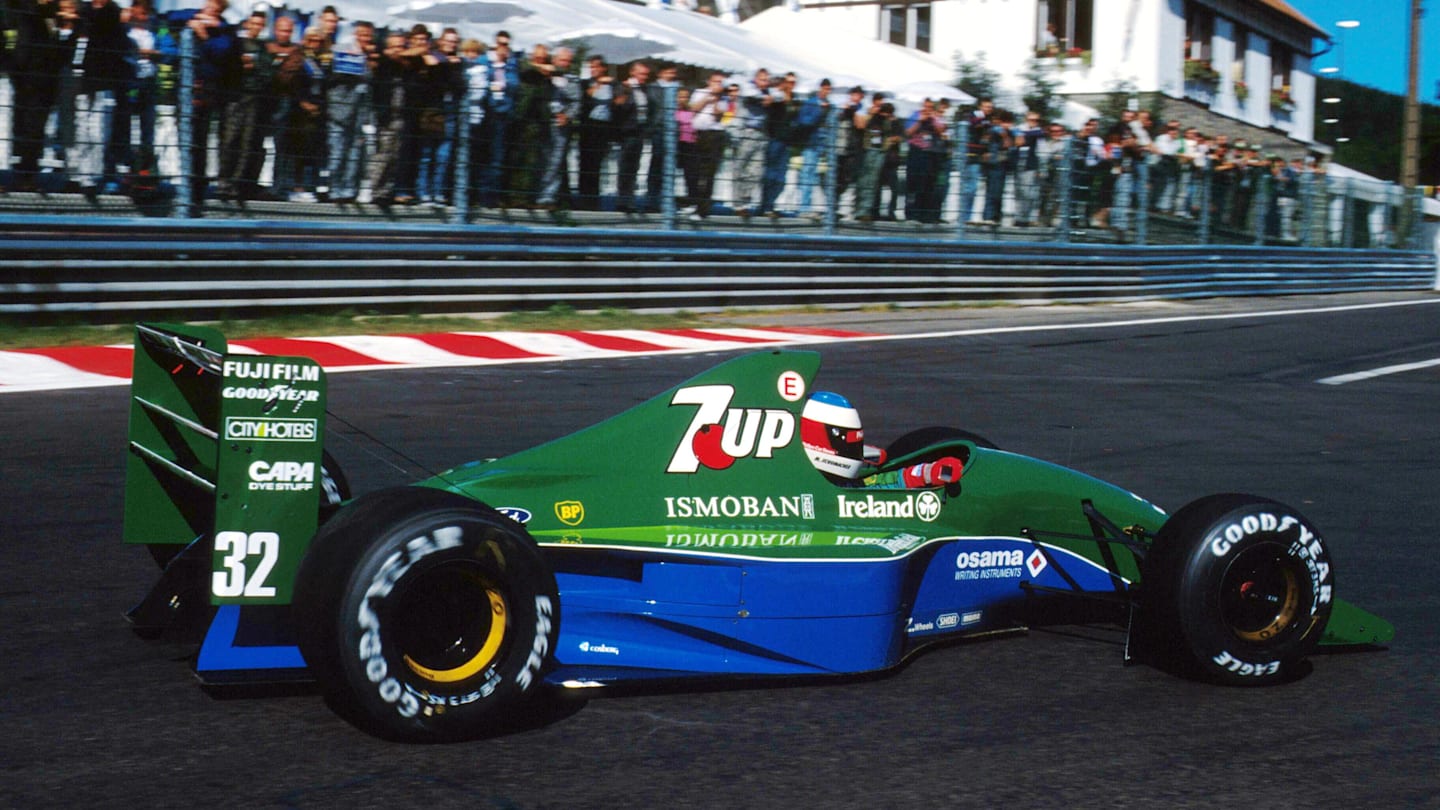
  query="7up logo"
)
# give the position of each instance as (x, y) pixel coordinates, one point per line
(719, 434)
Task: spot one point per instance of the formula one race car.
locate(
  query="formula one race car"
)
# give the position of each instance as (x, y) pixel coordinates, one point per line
(698, 535)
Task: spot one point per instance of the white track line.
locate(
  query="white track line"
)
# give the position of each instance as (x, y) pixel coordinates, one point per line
(1358, 376)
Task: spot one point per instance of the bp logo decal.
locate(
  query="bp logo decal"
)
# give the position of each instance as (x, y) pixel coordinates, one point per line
(571, 513)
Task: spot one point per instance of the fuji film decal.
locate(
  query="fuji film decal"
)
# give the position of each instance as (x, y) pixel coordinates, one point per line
(791, 386)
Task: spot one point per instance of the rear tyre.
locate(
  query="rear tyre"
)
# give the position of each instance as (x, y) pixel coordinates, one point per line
(426, 616)
(1236, 589)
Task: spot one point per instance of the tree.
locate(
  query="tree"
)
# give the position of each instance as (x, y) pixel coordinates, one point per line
(1041, 89)
(974, 78)
(1119, 93)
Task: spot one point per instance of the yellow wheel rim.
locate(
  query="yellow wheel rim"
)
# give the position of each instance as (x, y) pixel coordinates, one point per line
(481, 658)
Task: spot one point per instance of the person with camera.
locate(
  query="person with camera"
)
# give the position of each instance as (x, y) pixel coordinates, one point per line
(923, 129)
(710, 106)
(883, 134)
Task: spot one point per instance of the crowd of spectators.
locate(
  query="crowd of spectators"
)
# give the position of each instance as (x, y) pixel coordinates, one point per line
(345, 112)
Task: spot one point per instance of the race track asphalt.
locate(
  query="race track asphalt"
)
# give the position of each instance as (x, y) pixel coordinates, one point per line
(93, 716)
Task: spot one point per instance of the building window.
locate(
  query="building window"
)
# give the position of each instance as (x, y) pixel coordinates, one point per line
(1066, 23)
(1282, 61)
(1199, 32)
(907, 25)
(1242, 47)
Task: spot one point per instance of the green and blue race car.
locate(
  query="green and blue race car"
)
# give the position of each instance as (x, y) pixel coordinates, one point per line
(699, 535)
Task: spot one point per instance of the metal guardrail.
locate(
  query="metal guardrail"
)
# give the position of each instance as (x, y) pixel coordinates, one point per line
(117, 270)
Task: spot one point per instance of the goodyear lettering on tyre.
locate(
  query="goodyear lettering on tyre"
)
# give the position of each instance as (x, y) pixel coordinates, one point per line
(1306, 546)
(371, 647)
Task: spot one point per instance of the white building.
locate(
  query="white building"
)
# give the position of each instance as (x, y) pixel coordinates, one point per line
(1248, 61)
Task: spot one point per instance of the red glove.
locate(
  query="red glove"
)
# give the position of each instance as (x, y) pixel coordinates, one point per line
(946, 470)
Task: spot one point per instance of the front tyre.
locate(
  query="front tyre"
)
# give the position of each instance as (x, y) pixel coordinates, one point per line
(1236, 589)
(425, 615)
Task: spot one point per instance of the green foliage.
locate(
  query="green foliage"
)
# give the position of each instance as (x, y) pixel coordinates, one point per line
(1371, 118)
(1119, 93)
(974, 78)
(1041, 88)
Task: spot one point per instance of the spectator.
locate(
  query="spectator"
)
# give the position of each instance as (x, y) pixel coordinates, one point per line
(501, 93)
(242, 134)
(424, 121)
(108, 74)
(1052, 154)
(330, 20)
(1191, 160)
(1107, 172)
(305, 130)
(149, 49)
(285, 62)
(1250, 168)
(564, 107)
(710, 104)
(529, 131)
(685, 148)
(923, 129)
(851, 145)
(596, 102)
(1027, 169)
(214, 41)
(388, 102)
(439, 101)
(1126, 171)
(665, 80)
(942, 150)
(883, 135)
(63, 142)
(998, 159)
(477, 91)
(1222, 177)
(812, 132)
(635, 118)
(1087, 158)
(1277, 185)
(348, 112)
(751, 140)
(1168, 146)
(780, 116)
(979, 125)
(43, 48)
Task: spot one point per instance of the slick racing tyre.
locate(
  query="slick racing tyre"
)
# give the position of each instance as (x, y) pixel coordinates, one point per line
(924, 437)
(1236, 589)
(425, 615)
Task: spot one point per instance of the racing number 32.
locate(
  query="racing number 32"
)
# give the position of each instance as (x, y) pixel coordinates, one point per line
(261, 549)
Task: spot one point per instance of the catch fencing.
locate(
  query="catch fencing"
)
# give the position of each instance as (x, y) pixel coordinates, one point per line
(169, 146)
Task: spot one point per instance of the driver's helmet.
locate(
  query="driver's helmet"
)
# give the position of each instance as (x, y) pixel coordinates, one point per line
(830, 430)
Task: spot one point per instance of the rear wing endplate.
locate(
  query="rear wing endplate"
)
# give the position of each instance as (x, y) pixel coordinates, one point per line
(225, 450)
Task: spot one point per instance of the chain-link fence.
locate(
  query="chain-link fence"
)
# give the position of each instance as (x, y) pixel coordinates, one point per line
(185, 134)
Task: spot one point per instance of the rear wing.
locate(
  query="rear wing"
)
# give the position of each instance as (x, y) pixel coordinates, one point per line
(225, 451)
